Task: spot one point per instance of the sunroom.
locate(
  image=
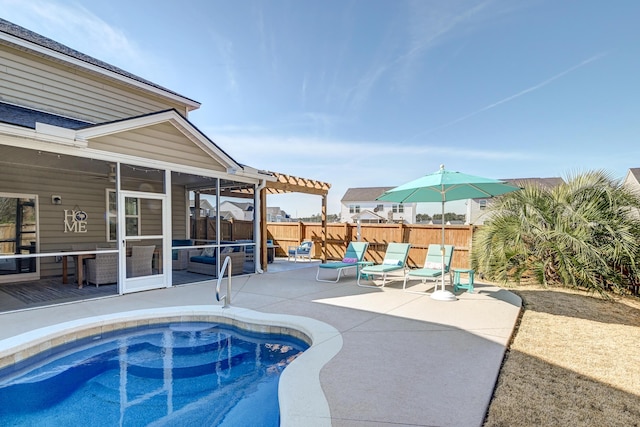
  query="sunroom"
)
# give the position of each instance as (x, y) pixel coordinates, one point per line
(80, 202)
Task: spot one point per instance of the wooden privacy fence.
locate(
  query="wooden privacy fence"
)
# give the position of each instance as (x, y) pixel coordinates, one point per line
(205, 229)
(285, 234)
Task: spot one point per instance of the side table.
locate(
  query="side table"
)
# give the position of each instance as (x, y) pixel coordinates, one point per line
(457, 284)
(362, 264)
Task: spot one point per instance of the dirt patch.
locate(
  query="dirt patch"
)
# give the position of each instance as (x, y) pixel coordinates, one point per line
(574, 360)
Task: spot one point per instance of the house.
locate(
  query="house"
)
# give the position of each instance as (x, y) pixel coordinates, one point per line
(236, 210)
(361, 204)
(205, 208)
(476, 208)
(275, 214)
(95, 160)
(632, 180)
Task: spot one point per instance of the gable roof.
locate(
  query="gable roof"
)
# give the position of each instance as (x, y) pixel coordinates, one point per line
(635, 172)
(243, 206)
(22, 38)
(367, 214)
(364, 194)
(172, 116)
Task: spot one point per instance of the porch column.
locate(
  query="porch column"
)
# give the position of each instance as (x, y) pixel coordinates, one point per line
(323, 258)
(263, 229)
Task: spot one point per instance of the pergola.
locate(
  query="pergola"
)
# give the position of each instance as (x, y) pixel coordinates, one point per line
(292, 184)
(283, 184)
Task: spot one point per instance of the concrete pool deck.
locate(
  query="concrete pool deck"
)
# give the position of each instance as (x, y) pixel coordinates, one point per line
(405, 359)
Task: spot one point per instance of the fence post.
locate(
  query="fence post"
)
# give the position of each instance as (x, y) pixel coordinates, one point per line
(401, 231)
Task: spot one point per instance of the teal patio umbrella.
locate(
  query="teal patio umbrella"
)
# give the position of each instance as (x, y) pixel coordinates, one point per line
(443, 186)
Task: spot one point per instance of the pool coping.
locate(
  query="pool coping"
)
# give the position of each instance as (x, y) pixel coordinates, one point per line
(300, 395)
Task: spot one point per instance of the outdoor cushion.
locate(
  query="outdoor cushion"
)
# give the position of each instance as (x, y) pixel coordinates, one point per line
(203, 259)
(433, 265)
(392, 262)
(208, 252)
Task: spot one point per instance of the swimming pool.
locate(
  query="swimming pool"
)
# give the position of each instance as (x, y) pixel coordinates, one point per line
(301, 398)
(194, 373)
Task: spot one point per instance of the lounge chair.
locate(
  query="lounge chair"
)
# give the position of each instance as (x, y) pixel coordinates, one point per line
(303, 251)
(432, 266)
(395, 260)
(354, 254)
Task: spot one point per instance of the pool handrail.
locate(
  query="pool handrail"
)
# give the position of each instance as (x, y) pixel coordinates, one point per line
(226, 299)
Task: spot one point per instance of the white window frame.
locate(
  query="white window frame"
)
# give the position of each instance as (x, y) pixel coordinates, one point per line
(114, 215)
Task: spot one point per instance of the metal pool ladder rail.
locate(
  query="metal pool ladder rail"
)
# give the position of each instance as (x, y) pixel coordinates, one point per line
(226, 299)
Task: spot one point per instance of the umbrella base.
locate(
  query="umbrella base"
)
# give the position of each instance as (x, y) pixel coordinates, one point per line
(443, 295)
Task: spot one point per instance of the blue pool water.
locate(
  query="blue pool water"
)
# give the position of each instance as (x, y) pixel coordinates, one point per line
(178, 374)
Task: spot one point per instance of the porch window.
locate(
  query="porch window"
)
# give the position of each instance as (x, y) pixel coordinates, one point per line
(131, 212)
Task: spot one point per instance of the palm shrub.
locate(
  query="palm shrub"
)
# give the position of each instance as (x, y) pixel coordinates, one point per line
(583, 233)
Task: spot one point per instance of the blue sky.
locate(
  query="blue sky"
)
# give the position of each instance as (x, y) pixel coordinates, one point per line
(377, 93)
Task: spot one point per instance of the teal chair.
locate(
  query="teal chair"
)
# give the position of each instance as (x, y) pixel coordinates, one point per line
(395, 261)
(432, 269)
(353, 255)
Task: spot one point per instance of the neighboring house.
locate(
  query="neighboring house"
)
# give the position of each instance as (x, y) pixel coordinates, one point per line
(275, 214)
(92, 154)
(236, 210)
(368, 217)
(229, 210)
(361, 203)
(477, 208)
(632, 182)
(205, 208)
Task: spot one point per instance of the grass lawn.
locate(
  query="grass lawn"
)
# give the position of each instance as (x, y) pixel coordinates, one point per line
(574, 361)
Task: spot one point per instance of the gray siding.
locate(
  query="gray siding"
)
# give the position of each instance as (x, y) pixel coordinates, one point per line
(86, 192)
(29, 81)
(161, 142)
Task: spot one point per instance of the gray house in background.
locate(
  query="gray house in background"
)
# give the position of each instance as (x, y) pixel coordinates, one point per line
(361, 204)
(632, 181)
(476, 208)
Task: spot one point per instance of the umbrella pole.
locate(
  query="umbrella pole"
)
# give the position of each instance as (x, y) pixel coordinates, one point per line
(442, 294)
(442, 246)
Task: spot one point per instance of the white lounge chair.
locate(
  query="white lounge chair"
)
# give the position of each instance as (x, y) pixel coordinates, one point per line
(432, 266)
(395, 261)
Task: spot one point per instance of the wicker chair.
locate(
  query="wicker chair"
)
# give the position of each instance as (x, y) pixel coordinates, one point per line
(140, 263)
(202, 264)
(102, 269)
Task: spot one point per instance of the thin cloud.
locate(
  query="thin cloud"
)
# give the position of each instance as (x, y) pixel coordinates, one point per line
(427, 28)
(226, 54)
(76, 27)
(512, 97)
